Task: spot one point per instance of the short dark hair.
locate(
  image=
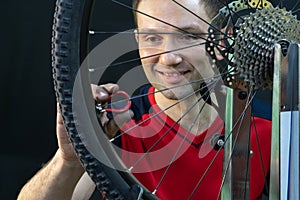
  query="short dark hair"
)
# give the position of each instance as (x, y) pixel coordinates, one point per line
(213, 7)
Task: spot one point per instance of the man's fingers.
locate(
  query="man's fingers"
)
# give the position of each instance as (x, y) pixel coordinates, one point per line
(113, 125)
(101, 93)
(110, 88)
(121, 118)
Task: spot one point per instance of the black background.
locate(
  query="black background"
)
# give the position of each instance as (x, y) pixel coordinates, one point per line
(27, 102)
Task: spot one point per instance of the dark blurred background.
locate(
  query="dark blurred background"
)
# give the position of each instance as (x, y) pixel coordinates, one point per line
(27, 102)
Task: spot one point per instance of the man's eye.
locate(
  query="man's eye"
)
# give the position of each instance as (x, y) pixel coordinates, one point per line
(190, 37)
(152, 39)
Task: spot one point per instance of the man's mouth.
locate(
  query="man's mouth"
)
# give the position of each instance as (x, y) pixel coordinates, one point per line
(173, 77)
(173, 74)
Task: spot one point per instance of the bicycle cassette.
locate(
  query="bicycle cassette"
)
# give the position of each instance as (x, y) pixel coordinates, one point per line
(246, 43)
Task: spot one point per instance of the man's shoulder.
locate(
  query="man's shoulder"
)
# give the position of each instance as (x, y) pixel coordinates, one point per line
(140, 101)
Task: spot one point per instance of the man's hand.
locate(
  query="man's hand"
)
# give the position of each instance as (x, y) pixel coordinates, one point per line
(59, 177)
(111, 126)
(66, 149)
(101, 95)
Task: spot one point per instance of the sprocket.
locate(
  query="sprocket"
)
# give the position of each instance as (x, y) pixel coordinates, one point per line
(244, 48)
(255, 41)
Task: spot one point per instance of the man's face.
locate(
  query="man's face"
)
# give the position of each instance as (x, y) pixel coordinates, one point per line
(173, 57)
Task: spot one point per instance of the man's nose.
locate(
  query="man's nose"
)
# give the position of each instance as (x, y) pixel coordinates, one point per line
(169, 59)
(170, 56)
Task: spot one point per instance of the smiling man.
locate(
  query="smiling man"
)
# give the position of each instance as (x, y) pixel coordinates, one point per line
(175, 112)
(189, 61)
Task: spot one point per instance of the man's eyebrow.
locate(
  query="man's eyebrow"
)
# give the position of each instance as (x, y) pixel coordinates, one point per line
(192, 29)
(186, 29)
(149, 30)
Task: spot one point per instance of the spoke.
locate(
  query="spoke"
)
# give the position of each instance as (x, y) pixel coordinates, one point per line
(204, 174)
(295, 11)
(156, 114)
(145, 57)
(208, 80)
(239, 121)
(170, 51)
(181, 144)
(294, 8)
(260, 156)
(157, 19)
(170, 128)
(152, 17)
(281, 3)
(205, 21)
(92, 32)
(225, 140)
(230, 10)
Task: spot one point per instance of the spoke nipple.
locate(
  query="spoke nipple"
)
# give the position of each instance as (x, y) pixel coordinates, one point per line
(130, 169)
(111, 140)
(283, 107)
(154, 192)
(242, 95)
(251, 153)
(217, 141)
(221, 142)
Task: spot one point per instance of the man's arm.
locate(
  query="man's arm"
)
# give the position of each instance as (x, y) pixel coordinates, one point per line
(58, 178)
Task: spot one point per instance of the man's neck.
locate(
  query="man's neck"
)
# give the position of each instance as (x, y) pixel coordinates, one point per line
(191, 114)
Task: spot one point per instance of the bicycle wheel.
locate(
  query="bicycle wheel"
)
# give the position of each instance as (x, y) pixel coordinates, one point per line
(78, 61)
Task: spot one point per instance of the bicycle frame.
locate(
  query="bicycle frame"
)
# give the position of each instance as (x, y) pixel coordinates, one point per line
(284, 172)
(284, 182)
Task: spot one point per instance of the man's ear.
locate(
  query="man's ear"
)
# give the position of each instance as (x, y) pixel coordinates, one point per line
(226, 34)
